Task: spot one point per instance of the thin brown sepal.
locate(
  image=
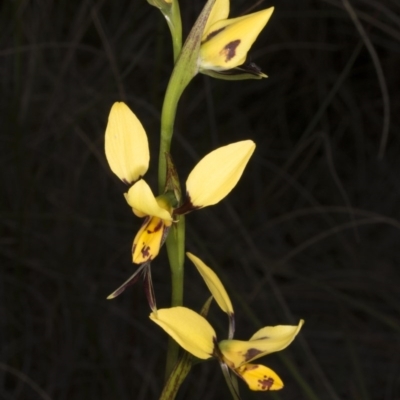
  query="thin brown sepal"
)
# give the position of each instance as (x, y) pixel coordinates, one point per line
(172, 183)
(245, 71)
(130, 281)
(149, 289)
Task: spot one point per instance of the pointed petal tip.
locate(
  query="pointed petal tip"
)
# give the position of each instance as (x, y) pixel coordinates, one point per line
(118, 291)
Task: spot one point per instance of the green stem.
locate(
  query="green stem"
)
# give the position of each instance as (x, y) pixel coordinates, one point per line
(172, 14)
(186, 67)
(175, 26)
(176, 238)
(176, 255)
(167, 127)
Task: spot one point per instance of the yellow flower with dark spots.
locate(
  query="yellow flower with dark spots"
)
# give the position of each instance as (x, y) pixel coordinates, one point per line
(127, 152)
(194, 333)
(226, 42)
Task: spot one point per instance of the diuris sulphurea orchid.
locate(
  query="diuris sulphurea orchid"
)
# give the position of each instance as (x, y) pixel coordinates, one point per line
(127, 152)
(194, 333)
(226, 42)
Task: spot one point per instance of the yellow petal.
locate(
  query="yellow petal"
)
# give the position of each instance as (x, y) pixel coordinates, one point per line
(228, 48)
(126, 145)
(149, 239)
(189, 329)
(142, 200)
(265, 341)
(217, 173)
(213, 283)
(220, 11)
(280, 333)
(260, 377)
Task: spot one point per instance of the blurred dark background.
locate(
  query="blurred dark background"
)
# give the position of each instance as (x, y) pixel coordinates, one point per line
(311, 231)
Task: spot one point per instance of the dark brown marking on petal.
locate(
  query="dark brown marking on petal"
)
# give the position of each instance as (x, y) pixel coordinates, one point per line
(157, 228)
(229, 51)
(266, 383)
(212, 34)
(145, 251)
(251, 367)
(186, 207)
(251, 353)
(130, 184)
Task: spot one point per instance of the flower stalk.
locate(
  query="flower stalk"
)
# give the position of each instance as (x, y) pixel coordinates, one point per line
(186, 68)
(171, 11)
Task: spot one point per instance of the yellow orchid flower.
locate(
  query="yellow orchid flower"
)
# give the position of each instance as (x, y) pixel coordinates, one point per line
(226, 42)
(127, 153)
(194, 333)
